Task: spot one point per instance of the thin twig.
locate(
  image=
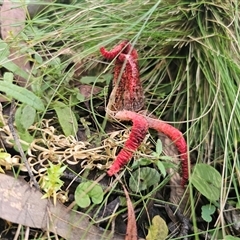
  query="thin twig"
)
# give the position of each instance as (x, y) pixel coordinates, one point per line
(27, 231)
(17, 142)
(17, 234)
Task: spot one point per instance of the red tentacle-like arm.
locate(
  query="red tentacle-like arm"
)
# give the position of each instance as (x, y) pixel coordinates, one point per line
(137, 135)
(123, 47)
(176, 136)
(141, 124)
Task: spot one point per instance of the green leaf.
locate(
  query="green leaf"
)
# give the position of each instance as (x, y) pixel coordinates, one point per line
(56, 170)
(12, 67)
(51, 183)
(4, 155)
(159, 147)
(18, 123)
(86, 191)
(66, 118)
(88, 79)
(166, 158)
(8, 77)
(22, 94)
(161, 168)
(80, 97)
(143, 178)
(38, 58)
(123, 201)
(105, 78)
(4, 51)
(207, 180)
(24, 117)
(84, 201)
(26, 138)
(169, 164)
(158, 230)
(141, 162)
(229, 237)
(28, 116)
(96, 194)
(55, 62)
(207, 211)
(8, 64)
(4, 160)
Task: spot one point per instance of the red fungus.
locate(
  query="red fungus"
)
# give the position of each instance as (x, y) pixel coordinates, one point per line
(128, 92)
(176, 136)
(139, 130)
(127, 99)
(137, 135)
(123, 47)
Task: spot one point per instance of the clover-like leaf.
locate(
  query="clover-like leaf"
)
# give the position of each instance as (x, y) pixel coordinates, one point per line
(84, 201)
(86, 191)
(143, 178)
(207, 211)
(96, 194)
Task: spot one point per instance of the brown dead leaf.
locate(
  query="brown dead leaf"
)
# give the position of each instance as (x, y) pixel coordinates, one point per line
(3, 99)
(87, 90)
(12, 18)
(131, 233)
(22, 204)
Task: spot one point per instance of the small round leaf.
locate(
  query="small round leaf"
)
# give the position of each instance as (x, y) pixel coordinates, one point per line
(207, 211)
(86, 191)
(96, 194)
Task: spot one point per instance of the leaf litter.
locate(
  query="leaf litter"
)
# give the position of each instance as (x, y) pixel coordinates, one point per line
(19, 205)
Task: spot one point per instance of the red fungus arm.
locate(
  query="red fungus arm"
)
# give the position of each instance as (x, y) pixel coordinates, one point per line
(137, 135)
(176, 136)
(139, 130)
(123, 47)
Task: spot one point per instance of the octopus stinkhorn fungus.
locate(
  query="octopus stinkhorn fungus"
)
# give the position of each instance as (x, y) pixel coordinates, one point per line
(127, 93)
(125, 102)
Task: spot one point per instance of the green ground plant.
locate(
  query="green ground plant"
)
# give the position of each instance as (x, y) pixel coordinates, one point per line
(189, 58)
